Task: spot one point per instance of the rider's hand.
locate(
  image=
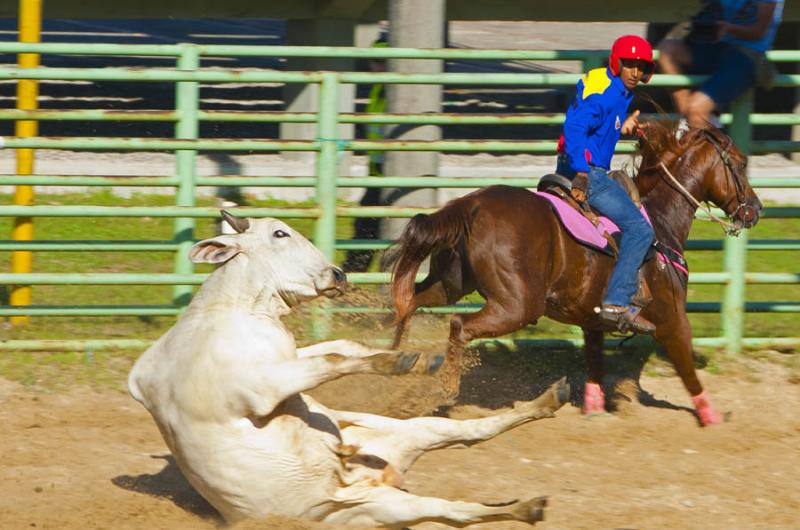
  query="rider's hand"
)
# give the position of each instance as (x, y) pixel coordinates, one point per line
(631, 124)
(579, 186)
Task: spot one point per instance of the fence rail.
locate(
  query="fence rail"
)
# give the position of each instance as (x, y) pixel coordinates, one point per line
(187, 116)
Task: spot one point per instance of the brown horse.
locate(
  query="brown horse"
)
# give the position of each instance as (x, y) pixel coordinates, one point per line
(508, 244)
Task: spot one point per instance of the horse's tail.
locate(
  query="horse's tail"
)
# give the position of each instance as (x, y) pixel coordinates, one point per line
(423, 236)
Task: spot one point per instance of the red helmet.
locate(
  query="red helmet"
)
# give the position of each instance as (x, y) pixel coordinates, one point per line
(632, 47)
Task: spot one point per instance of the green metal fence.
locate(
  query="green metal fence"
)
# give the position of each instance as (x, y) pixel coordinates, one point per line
(187, 116)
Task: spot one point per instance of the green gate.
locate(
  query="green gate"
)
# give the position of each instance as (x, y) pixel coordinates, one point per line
(187, 116)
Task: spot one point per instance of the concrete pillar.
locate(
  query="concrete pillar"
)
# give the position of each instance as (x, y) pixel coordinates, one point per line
(305, 98)
(795, 38)
(413, 24)
(366, 33)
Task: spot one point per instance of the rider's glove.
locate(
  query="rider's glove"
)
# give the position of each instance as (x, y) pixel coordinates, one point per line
(579, 186)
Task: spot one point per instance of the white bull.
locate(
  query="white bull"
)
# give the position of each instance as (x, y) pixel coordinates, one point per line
(224, 386)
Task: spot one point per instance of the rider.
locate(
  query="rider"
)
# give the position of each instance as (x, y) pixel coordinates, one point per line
(593, 125)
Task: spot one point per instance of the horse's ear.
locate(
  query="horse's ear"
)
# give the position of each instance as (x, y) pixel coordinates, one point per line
(215, 250)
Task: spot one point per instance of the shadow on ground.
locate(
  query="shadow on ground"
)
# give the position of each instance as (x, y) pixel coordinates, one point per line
(505, 375)
(169, 483)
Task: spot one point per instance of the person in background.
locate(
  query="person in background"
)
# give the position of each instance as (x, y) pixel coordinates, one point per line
(369, 227)
(595, 120)
(728, 40)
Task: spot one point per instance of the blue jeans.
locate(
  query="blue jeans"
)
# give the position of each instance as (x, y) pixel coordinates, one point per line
(609, 198)
(732, 72)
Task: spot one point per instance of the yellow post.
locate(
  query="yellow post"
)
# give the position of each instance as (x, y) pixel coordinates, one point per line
(30, 29)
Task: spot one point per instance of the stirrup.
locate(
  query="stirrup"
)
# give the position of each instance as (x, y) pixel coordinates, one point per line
(624, 319)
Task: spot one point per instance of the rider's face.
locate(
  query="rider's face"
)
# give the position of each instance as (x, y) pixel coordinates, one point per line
(632, 71)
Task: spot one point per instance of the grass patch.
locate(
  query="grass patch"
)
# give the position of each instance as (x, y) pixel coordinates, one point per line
(101, 367)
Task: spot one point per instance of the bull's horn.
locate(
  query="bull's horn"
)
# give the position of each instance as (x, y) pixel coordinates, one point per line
(240, 224)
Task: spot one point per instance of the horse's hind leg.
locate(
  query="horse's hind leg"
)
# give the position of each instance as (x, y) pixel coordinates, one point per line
(388, 506)
(447, 282)
(675, 336)
(493, 320)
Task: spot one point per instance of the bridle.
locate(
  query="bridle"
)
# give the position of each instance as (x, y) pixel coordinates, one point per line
(732, 172)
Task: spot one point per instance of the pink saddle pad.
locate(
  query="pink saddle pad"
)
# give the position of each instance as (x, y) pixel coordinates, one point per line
(580, 227)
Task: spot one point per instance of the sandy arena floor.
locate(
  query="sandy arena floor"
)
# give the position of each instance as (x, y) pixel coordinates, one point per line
(82, 459)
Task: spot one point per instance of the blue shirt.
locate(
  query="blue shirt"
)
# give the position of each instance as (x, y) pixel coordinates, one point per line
(743, 13)
(594, 120)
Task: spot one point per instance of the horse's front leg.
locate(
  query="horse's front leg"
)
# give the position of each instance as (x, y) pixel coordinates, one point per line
(676, 337)
(594, 401)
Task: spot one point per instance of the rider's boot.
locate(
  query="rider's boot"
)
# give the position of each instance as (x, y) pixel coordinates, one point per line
(625, 319)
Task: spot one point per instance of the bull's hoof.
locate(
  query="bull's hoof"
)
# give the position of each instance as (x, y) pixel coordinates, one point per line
(434, 363)
(550, 401)
(394, 363)
(531, 511)
(405, 362)
(562, 390)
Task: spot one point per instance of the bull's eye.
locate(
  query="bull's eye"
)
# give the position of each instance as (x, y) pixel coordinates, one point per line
(280, 233)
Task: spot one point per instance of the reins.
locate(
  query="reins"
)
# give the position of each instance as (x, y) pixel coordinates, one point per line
(728, 227)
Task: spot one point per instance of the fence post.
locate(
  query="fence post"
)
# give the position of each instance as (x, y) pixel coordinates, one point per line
(327, 169)
(30, 28)
(735, 249)
(327, 164)
(187, 100)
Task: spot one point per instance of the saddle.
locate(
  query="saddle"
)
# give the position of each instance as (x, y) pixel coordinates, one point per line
(559, 186)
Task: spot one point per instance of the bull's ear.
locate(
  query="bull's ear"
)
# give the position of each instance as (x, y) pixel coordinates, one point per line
(215, 250)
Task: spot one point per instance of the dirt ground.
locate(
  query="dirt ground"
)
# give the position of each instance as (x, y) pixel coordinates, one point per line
(80, 458)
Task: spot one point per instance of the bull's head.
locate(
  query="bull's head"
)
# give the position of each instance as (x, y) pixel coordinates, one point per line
(275, 255)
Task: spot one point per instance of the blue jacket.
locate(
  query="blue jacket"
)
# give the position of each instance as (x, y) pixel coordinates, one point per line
(594, 120)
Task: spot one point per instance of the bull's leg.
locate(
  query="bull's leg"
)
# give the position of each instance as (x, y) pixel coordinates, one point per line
(277, 382)
(676, 337)
(387, 506)
(593, 397)
(401, 442)
(345, 347)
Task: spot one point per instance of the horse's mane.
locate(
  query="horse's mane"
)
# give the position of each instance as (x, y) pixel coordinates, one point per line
(661, 143)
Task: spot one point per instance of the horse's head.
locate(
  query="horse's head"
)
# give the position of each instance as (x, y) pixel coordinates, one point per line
(708, 166)
(725, 181)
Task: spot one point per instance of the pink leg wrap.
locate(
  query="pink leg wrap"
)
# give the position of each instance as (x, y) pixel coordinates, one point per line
(594, 401)
(708, 414)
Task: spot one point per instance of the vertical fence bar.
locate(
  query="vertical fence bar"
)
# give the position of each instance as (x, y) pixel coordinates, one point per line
(327, 164)
(187, 100)
(30, 30)
(735, 249)
(327, 169)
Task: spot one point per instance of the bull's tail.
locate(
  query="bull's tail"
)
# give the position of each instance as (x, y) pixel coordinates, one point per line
(423, 236)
